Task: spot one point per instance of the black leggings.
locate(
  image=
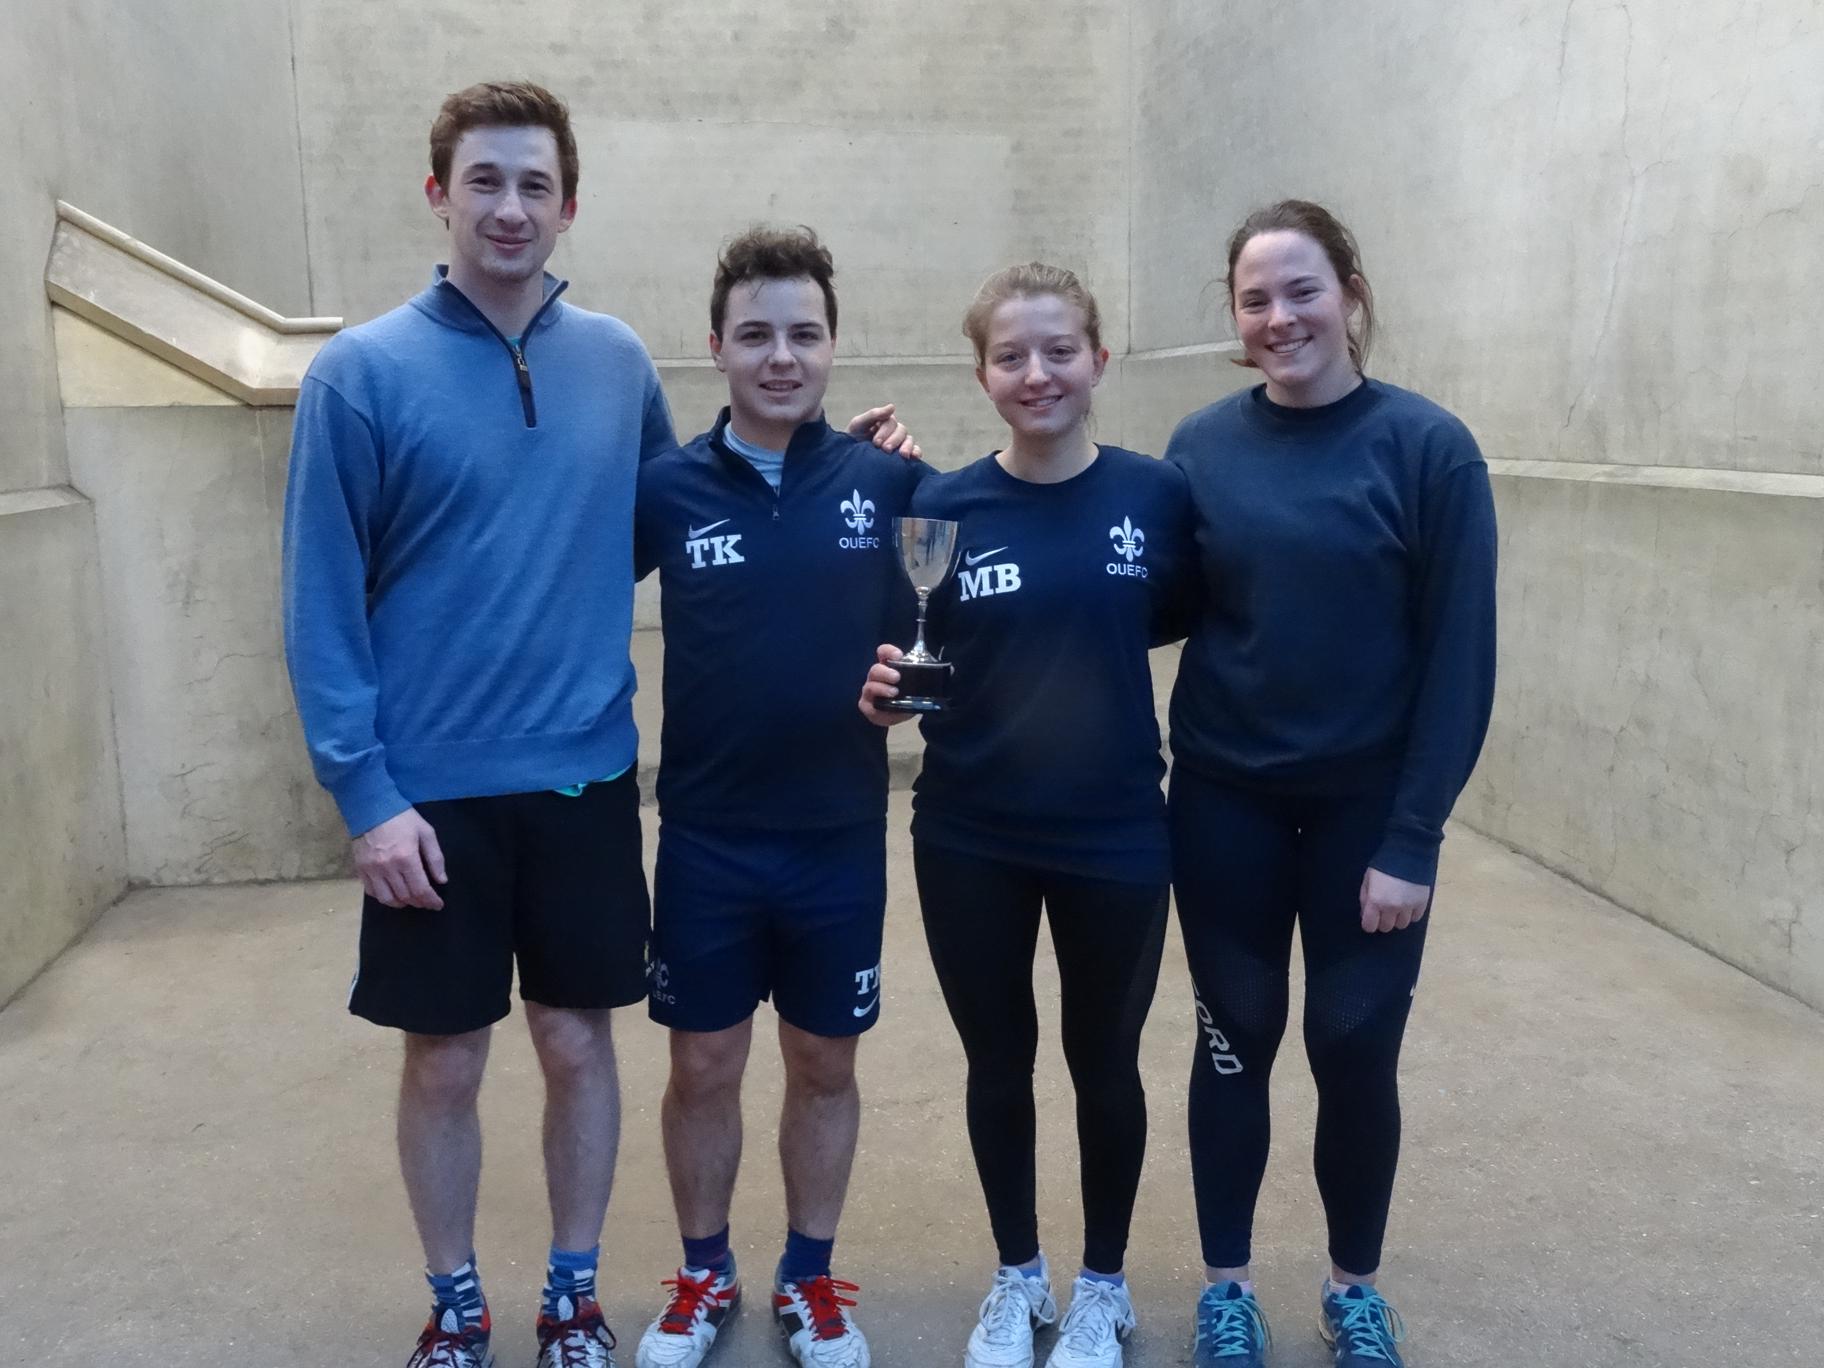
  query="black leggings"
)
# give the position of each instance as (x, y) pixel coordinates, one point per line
(982, 924)
(1246, 867)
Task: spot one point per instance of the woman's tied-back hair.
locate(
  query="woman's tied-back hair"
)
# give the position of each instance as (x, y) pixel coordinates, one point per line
(504, 104)
(1032, 280)
(1337, 243)
(763, 253)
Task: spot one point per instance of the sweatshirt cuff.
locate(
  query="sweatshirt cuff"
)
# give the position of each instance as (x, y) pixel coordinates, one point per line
(368, 799)
(1412, 858)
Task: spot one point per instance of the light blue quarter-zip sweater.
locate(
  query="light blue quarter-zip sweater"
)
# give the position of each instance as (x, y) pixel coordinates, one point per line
(459, 552)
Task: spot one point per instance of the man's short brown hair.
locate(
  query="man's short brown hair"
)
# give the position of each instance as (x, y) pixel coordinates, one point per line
(504, 104)
(763, 253)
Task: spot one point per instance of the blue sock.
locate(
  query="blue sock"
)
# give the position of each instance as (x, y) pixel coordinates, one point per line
(459, 1291)
(570, 1273)
(1112, 1279)
(711, 1252)
(804, 1257)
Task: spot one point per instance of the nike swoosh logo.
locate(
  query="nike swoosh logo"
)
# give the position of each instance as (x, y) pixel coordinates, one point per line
(982, 555)
(863, 1011)
(696, 532)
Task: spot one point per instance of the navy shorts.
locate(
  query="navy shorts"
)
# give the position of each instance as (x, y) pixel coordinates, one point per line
(552, 882)
(741, 915)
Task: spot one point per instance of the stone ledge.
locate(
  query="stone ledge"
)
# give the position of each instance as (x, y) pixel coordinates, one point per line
(178, 314)
(40, 500)
(1703, 478)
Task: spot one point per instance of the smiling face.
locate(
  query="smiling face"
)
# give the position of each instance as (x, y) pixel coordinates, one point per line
(1039, 365)
(503, 203)
(1292, 314)
(776, 349)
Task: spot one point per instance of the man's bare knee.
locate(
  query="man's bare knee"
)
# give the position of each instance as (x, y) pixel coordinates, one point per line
(444, 1071)
(824, 1065)
(572, 1044)
(707, 1063)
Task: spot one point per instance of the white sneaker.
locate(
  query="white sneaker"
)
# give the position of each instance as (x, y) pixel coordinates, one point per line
(1101, 1315)
(1013, 1308)
(814, 1315)
(682, 1334)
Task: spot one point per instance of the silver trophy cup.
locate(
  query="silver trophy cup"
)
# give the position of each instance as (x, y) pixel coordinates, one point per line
(927, 553)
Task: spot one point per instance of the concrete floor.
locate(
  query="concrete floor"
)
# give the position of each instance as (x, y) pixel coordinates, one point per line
(1613, 1153)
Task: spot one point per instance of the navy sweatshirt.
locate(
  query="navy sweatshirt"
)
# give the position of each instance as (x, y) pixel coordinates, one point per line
(772, 605)
(1049, 755)
(458, 527)
(1346, 642)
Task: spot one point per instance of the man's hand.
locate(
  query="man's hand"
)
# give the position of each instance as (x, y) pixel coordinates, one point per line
(1390, 904)
(399, 860)
(879, 426)
(882, 684)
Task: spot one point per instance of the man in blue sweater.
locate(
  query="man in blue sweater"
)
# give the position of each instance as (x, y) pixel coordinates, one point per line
(772, 536)
(458, 599)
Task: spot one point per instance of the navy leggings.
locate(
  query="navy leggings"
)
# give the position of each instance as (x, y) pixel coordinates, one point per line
(982, 924)
(1247, 866)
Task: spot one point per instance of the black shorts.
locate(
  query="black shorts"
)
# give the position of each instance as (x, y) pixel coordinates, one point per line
(553, 881)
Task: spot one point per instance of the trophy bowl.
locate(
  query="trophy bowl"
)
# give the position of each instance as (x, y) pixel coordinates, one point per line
(927, 553)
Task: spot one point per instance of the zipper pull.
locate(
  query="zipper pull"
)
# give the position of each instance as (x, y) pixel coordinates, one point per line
(523, 373)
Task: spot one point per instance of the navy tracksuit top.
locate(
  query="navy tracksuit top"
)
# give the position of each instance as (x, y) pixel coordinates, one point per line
(1049, 755)
(772, 604)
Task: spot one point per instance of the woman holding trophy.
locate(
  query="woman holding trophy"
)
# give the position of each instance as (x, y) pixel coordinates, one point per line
(1040, 789)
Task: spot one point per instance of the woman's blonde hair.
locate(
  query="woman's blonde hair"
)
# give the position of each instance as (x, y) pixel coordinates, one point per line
(1033, 279)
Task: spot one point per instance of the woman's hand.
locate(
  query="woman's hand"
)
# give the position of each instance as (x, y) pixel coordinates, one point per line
(1390, 904)
(882, 684)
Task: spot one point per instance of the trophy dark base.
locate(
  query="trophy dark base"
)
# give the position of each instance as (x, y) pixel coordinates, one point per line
(924, 687)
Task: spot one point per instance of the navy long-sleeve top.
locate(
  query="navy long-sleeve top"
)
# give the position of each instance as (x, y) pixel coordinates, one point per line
(1049, 754)
(772, 603)
(1346, 638)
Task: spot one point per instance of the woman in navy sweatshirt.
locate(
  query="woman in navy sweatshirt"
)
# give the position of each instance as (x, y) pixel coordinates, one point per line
(1331, 703)
(1040, 790)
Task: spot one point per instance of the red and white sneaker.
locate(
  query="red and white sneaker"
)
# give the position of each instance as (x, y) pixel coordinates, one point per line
(577, 1337)
(815, 1317)
(446, 1344)
(685, 1330)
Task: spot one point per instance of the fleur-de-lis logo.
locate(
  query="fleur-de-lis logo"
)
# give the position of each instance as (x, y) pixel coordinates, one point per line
(858, 512)
(1129, 540)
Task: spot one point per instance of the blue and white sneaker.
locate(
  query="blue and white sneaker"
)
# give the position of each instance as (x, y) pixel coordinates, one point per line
(1231, 1329)
(1361, 1328)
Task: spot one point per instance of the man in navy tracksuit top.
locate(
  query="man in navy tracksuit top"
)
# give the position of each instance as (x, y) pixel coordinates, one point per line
(772, 535)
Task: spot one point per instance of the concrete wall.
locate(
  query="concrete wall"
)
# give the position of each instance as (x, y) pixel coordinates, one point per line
(61, 846)
(215, 781)
(1585, 225)
(930, 144)
(1587, 228)
(179, 126)
(1660, 729)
